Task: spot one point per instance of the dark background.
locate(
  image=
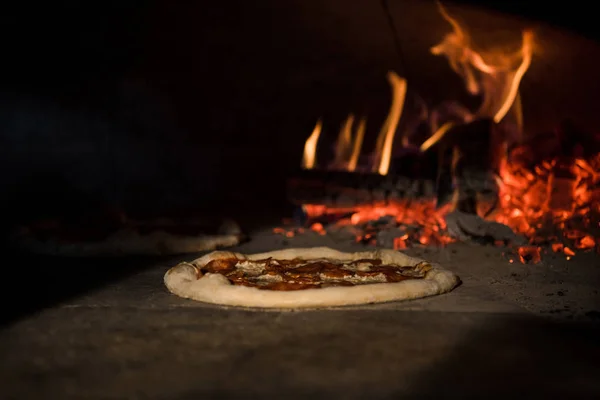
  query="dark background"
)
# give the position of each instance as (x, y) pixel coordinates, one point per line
(184, 108)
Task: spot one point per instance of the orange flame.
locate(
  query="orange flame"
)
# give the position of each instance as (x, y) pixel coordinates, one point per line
(310, 147)
(385, 139)
(494, 75)
(344, 143)
(358, 140)
(439, 134)
(348, 146)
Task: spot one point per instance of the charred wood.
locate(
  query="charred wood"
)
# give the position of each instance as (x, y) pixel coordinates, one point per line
(461, 168)
(349, 189)
(469, 156)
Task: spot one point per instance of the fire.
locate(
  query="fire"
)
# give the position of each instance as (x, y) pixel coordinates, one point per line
(500, 73)
(551, 193)
(586, 242)
(493, 75)
(348, 147)
(358, 140)
(310, 147)
(529, 254)
(426, 219)
(344, 142)
(535, 195)
(388, 130)
(318, 227)
(400, 242)
(433, 139)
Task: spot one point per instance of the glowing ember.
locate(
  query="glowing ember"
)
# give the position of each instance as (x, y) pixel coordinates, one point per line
(421, 213)
(586, 242)
(558, 247)
(428, 221)
(400, 242)
(318, 227)
(529, 254)
(288, 233)
(552, 193)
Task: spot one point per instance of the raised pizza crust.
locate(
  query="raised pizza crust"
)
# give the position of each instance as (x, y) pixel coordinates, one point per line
(183, 281)
(128, 242)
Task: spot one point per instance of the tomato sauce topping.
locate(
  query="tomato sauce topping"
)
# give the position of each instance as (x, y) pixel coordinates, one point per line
(288, 275)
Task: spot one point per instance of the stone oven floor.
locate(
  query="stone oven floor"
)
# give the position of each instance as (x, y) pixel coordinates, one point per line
(508, 330)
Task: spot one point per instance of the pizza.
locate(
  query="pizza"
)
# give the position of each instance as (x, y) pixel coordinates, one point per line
(307, 278)
(123, 237)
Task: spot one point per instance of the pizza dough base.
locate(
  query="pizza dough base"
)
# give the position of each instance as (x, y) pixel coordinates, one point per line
(128, 242)
(216, 288)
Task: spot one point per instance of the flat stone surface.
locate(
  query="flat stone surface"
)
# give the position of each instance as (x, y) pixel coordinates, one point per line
(130, 338)
(129, 352)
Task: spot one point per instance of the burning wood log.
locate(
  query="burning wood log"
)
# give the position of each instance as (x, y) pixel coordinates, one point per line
(461, 168)
(349, 189)
(469, 158)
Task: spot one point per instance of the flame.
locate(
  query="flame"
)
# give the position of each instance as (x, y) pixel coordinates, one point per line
(358, 140)
(385, 139)
(344, 143)
(535, 195)
(310, 147)
(512, 93)
(348, 146)
(433, 139)
(494, 75)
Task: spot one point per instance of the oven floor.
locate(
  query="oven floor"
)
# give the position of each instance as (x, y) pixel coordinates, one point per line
(509, 330)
